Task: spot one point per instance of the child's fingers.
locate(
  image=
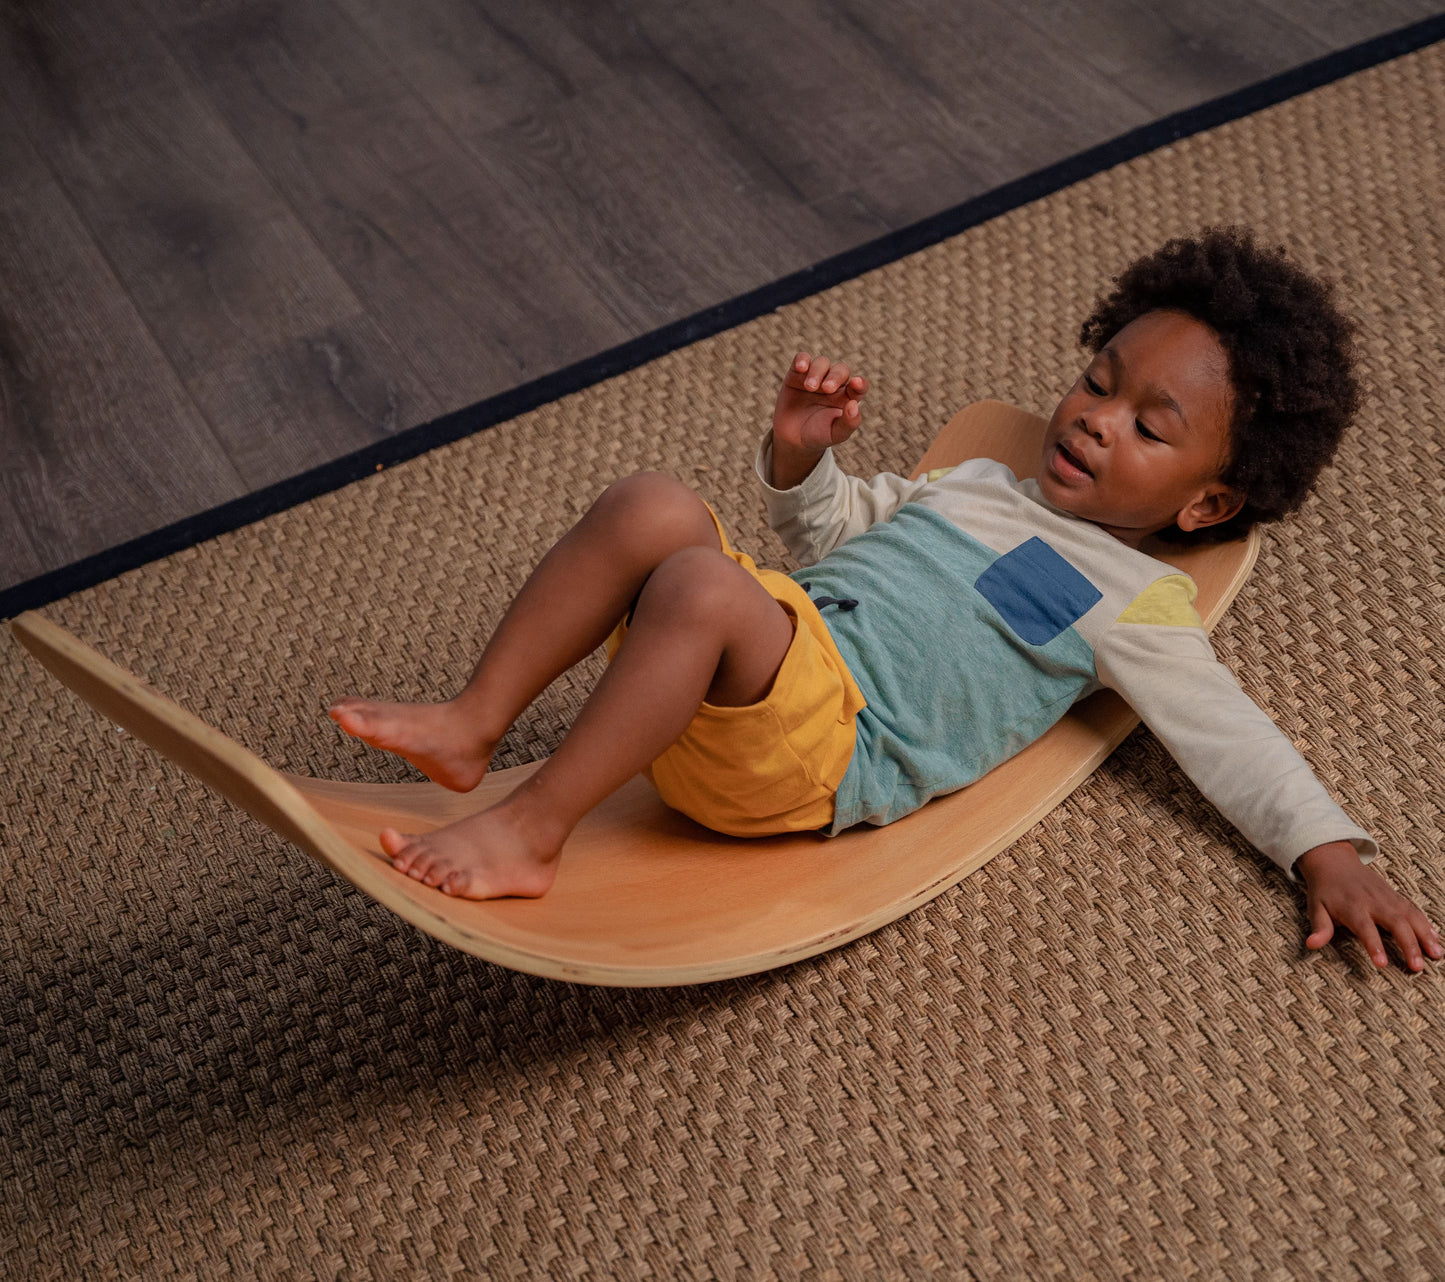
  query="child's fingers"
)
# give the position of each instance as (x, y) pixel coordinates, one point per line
(819, 374)
(817, 369)
(841, 380)
(798, 370)
(807, 372)
(1425, 931)
(1398, 924)
(1363, 902)
(1409, 945)
(1411, 938)
(1323, 925)
(1409, 927)
(1370, 940)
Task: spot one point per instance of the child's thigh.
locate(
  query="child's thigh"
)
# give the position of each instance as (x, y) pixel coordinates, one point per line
(768, 757)
(706, 592)
(774, 764)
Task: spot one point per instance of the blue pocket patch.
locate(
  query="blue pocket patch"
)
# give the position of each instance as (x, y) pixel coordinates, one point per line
(1037, 592)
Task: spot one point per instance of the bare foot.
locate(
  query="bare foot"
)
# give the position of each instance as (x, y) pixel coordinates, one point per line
(484, 856)
(435, 737)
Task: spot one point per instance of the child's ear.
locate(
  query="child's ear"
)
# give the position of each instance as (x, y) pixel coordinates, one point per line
(1213, 504)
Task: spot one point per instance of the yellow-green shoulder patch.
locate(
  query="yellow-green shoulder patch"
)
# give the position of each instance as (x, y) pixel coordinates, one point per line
(1169, 601)
(937, 472)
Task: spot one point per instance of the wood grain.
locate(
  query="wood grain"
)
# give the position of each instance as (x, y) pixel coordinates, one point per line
(1168, 57)
(97, 434)
(468, 281)
(257, 323)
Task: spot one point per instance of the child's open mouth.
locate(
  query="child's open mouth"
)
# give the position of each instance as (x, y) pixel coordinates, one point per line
(1069, 465)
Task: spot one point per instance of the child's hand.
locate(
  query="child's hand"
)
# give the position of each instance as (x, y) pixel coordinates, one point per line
(817, 405)
(1342, 889)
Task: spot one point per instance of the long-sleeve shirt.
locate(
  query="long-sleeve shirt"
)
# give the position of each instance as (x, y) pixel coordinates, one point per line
(973, 614)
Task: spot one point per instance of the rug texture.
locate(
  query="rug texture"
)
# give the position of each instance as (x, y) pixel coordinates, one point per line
(1105, 1055)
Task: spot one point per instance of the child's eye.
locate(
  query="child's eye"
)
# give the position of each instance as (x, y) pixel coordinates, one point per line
(1093, 386)
(1145, 432)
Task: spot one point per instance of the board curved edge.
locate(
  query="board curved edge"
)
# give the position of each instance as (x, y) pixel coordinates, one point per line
(240, 776)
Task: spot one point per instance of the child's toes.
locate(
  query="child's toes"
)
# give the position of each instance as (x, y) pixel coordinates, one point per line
(349, 714)
(456, 882)
(401, 848)
(421, 863)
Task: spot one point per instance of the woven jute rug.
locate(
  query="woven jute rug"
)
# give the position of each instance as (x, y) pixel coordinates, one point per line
(1105, 1055)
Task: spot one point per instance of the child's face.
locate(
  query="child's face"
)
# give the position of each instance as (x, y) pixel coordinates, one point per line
(1137, 444)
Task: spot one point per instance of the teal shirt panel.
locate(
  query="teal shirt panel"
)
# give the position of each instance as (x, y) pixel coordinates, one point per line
(953, 686)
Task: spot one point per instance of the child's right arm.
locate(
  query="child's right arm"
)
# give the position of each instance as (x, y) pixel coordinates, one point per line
(817, 408)
(812, 504)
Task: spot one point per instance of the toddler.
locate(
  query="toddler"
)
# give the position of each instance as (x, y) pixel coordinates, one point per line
(941, 624)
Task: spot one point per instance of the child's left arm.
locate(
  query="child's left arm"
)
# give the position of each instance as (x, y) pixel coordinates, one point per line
(1340, 889)
(1241, 761)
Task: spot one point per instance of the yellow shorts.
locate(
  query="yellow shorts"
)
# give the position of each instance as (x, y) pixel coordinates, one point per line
(775, 765)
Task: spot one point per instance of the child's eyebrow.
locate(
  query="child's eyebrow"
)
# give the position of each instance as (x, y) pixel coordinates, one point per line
(1154, 393)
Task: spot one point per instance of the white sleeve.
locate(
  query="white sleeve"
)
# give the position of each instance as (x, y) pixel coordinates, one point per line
(1224, 741)
(828, 507)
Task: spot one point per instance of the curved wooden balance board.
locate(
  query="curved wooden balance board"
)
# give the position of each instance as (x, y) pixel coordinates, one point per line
(645, 897)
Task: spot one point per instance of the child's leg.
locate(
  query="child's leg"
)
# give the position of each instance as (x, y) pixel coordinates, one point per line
(565, 610)
(703, 628)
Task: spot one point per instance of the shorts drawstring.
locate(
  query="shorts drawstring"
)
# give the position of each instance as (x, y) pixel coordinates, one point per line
(842, 602)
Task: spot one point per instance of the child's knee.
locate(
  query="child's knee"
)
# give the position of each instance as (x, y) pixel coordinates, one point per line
(658, 509)
(700, 585)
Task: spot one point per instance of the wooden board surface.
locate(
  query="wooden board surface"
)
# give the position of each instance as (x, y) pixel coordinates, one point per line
(643, 896)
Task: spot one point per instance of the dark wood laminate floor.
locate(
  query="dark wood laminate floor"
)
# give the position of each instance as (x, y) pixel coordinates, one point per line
(239, 238)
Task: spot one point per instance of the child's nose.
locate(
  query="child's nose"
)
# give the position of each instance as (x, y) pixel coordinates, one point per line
(1103, 424)
(1095, 425)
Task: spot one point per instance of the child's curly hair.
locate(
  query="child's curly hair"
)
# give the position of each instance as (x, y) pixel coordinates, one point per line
(1291, 361)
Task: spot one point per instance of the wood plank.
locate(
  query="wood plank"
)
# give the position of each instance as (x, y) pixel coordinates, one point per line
(244, 303)
(1175, 55)
(913, 107)
(468, 281)
(498, 58)
(1341, 23)
(775, 82)
(637, 170)
(981, 83)
(658, 224)
(100, 441)
(645, 896)
(651, 195)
